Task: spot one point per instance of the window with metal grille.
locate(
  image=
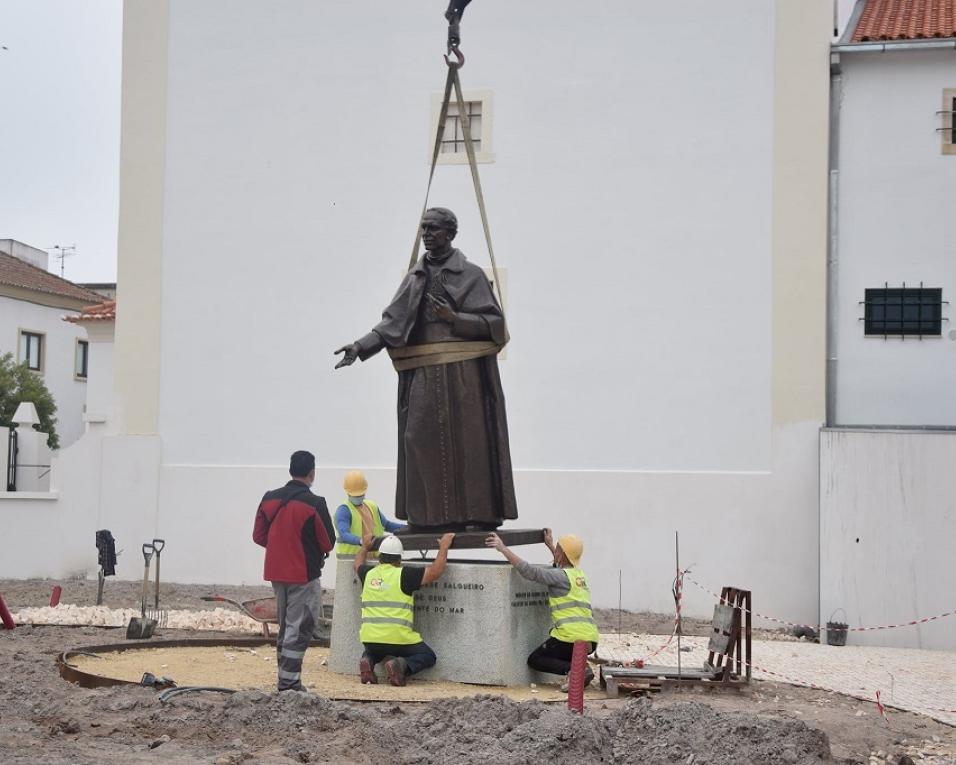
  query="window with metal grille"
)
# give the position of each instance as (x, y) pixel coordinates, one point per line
(948, 115)
(82, 360)
(453, 139)
(902, 311)
(479, 111)
(952, 127)
(31, 350)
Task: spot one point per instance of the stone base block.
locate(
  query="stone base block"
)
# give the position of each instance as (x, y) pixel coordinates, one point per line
(480, 618)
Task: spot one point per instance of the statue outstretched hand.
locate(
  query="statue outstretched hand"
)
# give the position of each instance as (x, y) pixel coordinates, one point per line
(351, 352)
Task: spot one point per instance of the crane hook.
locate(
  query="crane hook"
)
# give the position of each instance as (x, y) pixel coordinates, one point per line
(458, 54)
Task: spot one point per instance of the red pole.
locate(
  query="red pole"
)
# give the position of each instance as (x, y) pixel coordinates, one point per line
(55, 596)
(6, 616)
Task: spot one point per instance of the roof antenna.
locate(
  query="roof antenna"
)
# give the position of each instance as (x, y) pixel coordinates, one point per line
(63, 253)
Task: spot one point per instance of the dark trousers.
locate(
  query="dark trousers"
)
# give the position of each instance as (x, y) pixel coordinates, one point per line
(554, 656)
(298, 606)
(418, 656)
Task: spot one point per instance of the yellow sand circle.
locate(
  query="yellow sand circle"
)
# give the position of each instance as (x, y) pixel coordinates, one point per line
(255, 668)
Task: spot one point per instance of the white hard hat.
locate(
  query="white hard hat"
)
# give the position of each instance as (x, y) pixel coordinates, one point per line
(391, 545)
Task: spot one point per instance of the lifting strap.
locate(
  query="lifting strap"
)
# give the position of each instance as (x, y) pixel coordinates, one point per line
(452, 82)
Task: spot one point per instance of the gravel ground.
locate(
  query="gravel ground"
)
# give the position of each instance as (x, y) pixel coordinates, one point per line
(46, 721)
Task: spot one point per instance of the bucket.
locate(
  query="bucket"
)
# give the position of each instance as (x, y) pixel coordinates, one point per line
(836, 631)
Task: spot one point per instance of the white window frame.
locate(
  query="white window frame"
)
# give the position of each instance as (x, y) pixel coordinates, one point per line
(949, 121)
(41, 355)
(86, 344)
(486, 155)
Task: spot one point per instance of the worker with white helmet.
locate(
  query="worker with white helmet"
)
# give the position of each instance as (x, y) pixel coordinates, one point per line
(569, 597)
(358, 516)
(388, 609)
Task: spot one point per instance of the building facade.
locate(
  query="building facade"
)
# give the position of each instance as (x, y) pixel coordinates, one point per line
(887, 488)
(663, 237)
(32, 304)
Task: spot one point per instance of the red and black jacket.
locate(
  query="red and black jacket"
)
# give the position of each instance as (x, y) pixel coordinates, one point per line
(294, 526)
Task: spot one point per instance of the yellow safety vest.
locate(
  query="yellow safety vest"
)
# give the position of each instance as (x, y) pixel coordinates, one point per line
(344, 549)
(571, 614)
(388, 614)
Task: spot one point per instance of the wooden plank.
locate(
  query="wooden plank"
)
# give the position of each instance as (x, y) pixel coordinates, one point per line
(646, 673)
(722, 628)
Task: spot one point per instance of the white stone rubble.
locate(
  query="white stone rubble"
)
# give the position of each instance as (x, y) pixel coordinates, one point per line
(218, 619)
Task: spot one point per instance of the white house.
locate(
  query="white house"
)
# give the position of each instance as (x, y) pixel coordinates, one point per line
(656, 182)
(888, 489)
(32, 304)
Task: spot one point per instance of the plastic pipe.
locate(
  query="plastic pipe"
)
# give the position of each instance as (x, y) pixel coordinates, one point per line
(579, 660)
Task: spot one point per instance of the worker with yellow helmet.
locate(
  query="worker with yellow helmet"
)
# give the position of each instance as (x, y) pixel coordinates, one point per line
(388, 609)
(569, 597)
(358, 517)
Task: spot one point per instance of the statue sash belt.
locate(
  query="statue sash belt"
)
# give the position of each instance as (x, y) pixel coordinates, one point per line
(434, 354)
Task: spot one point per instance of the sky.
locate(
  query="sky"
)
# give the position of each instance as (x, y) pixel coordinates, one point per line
(59, 139)
(59, 136)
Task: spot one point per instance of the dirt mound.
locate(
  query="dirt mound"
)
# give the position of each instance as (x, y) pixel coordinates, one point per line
(697, 734)
(308, 728)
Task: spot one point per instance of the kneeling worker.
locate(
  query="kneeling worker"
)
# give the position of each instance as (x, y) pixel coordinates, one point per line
(569, 598)
(388, 609)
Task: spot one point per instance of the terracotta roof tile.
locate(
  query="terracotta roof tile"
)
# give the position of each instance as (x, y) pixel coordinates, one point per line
(105, 311)
(906, 20)
(18, 273)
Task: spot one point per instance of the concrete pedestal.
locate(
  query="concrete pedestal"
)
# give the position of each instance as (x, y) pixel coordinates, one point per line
(480, 618)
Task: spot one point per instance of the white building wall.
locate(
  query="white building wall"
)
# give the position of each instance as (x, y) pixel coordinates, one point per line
(895, 225)
(888, 521)
(639, 379)
(292, 191)
(101, 405)
(661, 233)
(59, 357)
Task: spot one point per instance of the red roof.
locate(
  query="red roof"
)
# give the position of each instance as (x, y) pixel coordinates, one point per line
(906, 20)
(18, 273)
(105, 311)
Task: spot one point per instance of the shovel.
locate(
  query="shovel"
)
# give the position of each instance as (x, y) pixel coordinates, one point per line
(141, 628)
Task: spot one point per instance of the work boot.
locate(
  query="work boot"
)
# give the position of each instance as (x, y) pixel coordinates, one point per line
(588, 677)
(397, 671)
(367, 670)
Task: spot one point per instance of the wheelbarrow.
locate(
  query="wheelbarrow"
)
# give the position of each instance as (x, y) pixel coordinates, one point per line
(266, 612)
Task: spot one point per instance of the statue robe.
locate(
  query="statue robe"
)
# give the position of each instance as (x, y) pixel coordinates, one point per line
(454, 462)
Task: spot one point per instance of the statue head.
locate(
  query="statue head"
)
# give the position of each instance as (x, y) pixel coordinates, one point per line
(439, 227)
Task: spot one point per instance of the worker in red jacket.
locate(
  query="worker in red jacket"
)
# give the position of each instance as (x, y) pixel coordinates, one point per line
(294, 526)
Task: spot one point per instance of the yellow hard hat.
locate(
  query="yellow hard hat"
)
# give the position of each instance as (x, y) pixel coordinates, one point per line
(572, 546)
(355, 483)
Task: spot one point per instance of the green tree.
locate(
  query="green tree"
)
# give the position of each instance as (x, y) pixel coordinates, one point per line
(18, 384)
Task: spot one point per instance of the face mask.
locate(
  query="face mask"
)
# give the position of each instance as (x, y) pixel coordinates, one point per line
(356, 501)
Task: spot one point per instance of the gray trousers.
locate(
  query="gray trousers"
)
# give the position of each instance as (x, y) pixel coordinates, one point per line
(299, 606)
